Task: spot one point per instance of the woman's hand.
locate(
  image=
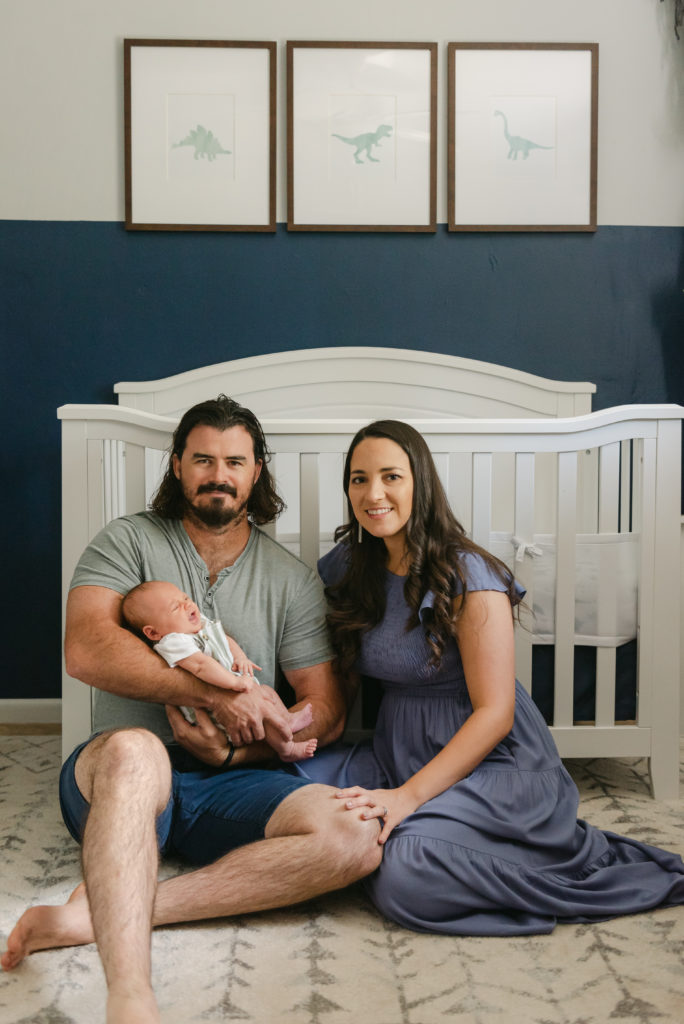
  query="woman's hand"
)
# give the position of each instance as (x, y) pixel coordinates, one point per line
(205, 740)
(391, 806)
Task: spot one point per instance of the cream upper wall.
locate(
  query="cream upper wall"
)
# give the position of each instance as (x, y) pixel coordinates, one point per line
(62, 100)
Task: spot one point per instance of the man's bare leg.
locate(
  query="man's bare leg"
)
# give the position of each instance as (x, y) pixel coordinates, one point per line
(312, 845)
(126, 778)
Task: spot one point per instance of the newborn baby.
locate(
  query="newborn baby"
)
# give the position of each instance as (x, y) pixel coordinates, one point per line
(183, 636)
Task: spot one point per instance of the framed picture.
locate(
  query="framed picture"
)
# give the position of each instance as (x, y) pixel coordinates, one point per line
(200, 127)
(361, 136)
(522, 137)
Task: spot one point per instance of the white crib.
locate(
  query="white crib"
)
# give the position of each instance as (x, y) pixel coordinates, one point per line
(583, 506)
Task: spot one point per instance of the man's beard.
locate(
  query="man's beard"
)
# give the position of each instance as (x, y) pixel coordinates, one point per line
(216, 513)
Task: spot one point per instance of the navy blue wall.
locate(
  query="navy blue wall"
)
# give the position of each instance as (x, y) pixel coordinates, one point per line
(86, 304)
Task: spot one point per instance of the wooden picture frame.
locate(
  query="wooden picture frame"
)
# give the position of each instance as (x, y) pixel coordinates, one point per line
(200, 131)
(522, 136)
(361, 136)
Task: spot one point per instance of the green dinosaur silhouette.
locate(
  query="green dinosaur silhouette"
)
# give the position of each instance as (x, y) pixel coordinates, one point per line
(366, 141)
(205, 142)
(516, 143)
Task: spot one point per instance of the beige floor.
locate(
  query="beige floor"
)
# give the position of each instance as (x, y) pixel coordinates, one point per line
(335, 961)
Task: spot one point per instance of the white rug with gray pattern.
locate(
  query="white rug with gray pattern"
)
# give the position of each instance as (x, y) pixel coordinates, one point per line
(335, 960)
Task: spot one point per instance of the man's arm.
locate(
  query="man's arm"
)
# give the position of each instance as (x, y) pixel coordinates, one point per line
(320, 686)
(317, 685)
(101, 652)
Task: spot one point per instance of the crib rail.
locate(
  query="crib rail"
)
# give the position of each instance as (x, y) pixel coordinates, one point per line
(585, 511)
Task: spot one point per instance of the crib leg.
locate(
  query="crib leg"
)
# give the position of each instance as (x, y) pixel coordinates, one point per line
(664, 772)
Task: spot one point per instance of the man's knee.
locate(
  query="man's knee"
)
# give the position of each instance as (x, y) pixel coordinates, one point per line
(348, 843)
(354, 840)
(132, 757)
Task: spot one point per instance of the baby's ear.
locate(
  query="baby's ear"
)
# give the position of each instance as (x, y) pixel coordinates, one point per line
(151, 633)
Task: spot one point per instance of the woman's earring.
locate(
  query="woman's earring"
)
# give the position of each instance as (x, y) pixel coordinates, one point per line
(360, 533)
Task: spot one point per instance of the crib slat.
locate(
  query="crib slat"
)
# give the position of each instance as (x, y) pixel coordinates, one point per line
(608, 521)
(645, 457)
(114, 476)
(588, 488)
(637, 484)
(133, 456)
(565, 589)
(482, 499)
(523, 569)
(606, 662)
(97, 502)
(309, 513)
(625, 487)
(111, 483)
(119, 455)
(503, 491)
(459, 487)
(609, 485)
(155, 467)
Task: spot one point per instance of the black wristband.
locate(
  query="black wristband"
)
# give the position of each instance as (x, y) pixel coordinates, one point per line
(226, 764)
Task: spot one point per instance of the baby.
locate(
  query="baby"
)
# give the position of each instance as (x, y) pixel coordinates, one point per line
(183, 636)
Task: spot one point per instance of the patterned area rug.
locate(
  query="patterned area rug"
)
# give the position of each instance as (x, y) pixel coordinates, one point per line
(335, 960)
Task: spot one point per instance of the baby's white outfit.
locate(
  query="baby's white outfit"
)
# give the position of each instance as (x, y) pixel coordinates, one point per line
(211, 640)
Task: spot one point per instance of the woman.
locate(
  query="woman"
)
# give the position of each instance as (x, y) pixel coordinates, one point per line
(477, 813)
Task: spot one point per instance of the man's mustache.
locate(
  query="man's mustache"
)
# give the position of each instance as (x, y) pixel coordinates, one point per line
(223, 488)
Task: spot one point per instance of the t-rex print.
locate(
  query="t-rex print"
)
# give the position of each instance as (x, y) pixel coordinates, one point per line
(366, 141)
(205, 142)
(516, 143)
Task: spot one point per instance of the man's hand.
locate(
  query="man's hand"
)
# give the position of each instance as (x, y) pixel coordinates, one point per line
(242, 714)
(208, 743)
(205, 740)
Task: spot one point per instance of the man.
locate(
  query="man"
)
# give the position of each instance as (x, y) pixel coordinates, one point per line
(129, 789)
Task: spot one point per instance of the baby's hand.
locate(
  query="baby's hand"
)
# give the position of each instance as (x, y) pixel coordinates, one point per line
(243, 665)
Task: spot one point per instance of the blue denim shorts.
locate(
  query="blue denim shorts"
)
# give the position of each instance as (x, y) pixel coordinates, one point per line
(209, 812)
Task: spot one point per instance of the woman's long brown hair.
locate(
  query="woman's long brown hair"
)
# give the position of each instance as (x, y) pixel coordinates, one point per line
(434, 540)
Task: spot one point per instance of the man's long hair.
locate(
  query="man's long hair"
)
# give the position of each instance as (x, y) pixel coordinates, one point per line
(435, 540)
(222, 413)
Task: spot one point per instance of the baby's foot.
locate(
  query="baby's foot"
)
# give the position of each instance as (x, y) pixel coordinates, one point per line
(301, 719)
(295, 751)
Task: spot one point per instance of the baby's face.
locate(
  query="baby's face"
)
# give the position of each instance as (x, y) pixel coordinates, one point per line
(169, 610)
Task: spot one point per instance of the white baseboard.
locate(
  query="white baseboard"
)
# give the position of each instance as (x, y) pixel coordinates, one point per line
(35, 711)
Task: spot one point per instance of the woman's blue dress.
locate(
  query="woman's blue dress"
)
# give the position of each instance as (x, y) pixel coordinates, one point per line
(501, 852)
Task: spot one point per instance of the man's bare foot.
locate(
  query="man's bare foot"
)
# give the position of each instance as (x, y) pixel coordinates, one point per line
(132, 1006)
(301, 719)
(49, 928)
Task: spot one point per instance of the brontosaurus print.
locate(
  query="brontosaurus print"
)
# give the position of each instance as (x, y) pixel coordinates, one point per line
(516, 143)
(366, 141)
(205, 142)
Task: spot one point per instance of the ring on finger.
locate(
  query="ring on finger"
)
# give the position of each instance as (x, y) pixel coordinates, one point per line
(385, 812)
